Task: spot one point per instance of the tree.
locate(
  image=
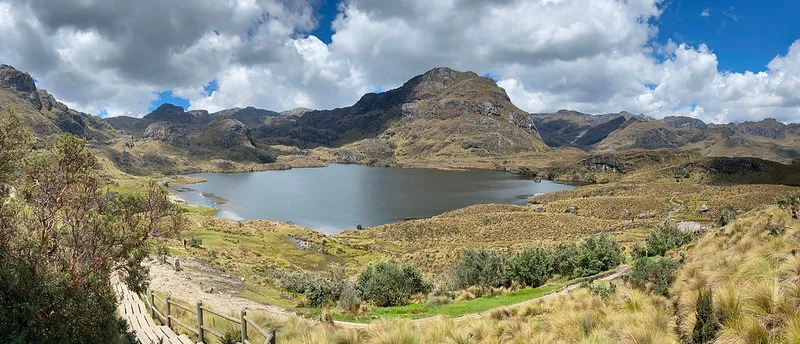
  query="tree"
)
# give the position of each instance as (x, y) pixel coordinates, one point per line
(705, 327)
(62, 236)
(391, 284)
(531, 267)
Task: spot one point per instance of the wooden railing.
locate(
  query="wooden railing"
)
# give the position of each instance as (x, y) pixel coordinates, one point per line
(244, 321)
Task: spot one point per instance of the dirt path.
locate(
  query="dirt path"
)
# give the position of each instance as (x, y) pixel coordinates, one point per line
(623, 269)
(197, 282)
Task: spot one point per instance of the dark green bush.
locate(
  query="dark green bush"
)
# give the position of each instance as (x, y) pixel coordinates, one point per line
(480, 267)
(565, 259)
(597, 253)
(194, 242)
(532, 267)
(391, 284)
(319, 288)
(705, 327)
(661, 240)
(603, 290)
(654, 273)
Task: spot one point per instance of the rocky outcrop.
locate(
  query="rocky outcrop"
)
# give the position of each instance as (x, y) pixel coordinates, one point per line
(603, 163)
(166, 132)
(228, 132)
(20, 82)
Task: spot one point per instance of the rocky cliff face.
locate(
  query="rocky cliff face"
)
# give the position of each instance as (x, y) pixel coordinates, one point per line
(42, 113)
(21, 83)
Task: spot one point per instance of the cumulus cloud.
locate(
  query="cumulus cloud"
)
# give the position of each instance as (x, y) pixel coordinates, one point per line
(706, 12)
(597, 56)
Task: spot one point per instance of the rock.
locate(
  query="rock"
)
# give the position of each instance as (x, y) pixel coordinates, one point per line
(166, 132)
(603, 163)
(20, 82)
(703, 208)
(690, 226)
(645, 215)
(572, 210)
(128, 142)
(539, 209)
(347, 157)
(208, 289)
(488, 109)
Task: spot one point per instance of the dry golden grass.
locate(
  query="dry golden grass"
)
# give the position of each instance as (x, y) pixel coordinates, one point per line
(752, 268)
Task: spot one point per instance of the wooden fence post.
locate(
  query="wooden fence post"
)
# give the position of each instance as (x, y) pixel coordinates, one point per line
(200, 333)
(152, 304)
(244, 324)
(169, 320)
(272, 340)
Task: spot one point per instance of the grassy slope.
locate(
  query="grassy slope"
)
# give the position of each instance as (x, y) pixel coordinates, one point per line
(754, 275)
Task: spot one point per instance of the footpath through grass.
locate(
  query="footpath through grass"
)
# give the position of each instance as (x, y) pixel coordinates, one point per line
(459, 308)
(456, 308)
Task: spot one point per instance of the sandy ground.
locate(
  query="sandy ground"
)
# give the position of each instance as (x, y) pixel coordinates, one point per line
(197, 282)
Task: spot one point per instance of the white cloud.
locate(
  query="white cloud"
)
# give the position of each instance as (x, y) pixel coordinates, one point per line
(706, 12)
(592, 56)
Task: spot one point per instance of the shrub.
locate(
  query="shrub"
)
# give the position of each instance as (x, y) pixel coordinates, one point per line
(231, 336)
(565, 258)
(603, 290)
(391, 284)
(705, 327)
(194, 242)
(319, 288)
(480, 267)
(350, 298)
(655, 273)
(531, 267)
(438, 301)
(661, 240)
(597, 253)
(726, 215)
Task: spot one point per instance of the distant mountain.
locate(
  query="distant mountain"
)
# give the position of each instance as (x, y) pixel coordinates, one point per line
(440, 118)
(442, 114)
(767, 139)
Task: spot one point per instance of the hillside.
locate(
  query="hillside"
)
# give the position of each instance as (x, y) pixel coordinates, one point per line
(43, 115)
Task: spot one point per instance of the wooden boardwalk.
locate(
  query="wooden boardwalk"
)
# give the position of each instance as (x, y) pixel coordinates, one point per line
(132, 308)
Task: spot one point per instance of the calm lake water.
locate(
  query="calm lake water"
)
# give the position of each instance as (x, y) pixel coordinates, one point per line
(338, 197)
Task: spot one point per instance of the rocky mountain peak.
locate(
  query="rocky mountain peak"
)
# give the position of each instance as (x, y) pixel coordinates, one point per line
(170, 113)
(20, 82)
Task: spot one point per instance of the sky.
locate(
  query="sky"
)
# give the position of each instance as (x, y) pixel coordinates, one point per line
(720, 61)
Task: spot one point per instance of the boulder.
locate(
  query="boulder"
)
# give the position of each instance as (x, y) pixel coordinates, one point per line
(703, 208)
(572, 210)
(539, 209)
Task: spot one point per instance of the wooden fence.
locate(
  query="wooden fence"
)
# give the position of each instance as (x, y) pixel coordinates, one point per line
(199, 329)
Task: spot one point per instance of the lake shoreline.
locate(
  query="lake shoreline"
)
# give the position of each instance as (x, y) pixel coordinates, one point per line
(367, 196)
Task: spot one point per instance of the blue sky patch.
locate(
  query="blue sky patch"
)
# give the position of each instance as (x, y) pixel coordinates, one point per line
(744, 34)
(210, 87)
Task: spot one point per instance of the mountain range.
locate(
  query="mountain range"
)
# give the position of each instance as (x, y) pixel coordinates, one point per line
(445, 116)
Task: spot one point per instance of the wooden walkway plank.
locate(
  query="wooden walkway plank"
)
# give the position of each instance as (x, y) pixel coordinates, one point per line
(135, 312)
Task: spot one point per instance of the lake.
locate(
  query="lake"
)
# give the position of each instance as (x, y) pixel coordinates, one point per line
(339, 197)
